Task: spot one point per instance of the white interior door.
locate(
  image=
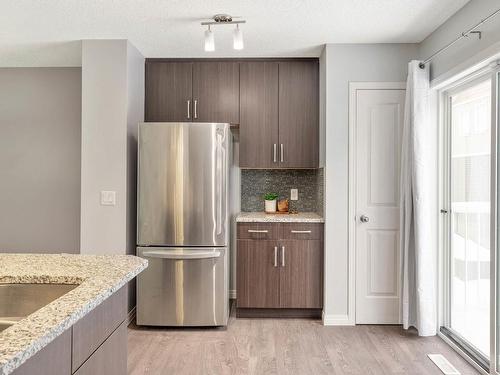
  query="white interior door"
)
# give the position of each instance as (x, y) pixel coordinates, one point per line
(378, 128)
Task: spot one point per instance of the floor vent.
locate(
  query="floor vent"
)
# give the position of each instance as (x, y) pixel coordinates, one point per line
(444, 365)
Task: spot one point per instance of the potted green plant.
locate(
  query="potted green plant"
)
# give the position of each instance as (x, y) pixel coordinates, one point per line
(270, 201)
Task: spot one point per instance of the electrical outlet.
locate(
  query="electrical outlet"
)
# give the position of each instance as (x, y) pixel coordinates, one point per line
(294, 194)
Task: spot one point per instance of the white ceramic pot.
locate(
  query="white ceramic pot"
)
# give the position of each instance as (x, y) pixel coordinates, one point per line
(270, 206)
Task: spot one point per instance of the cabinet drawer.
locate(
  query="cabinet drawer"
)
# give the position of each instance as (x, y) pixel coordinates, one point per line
(258, 231)
(93, 329)
(301, 231)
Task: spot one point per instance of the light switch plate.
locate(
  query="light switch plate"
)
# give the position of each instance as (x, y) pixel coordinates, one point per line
(294, 194)
(108, 198)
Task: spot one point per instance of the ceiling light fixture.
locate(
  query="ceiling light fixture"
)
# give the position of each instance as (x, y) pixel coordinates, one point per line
(223, 19)
(237, 38)
(209, 40)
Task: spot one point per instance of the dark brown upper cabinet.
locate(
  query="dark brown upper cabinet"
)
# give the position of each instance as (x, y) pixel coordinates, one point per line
(168, 91)
(186, 91)
(216, 94)
(279, 114)
(259, 115)
(299, 114)
(275, 102)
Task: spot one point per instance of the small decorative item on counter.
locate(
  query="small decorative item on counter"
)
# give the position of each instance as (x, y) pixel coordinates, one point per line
(283, 206)
(270, 200)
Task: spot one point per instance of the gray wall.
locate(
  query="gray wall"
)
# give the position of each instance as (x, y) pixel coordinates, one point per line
(112, 106)
(468, 48)
(135, 114)
(40, 116)
(104, 145)
(341, 64)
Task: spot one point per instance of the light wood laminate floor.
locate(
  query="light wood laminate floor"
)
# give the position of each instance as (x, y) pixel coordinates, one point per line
(285, 346)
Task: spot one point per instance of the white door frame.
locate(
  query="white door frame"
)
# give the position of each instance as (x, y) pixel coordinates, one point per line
(353, 87)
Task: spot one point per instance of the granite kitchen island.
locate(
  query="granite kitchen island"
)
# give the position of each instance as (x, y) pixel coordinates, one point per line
(74, 328)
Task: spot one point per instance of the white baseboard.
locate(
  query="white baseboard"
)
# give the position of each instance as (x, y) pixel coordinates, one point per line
(232, 293)
(337, 320)
(130, 316)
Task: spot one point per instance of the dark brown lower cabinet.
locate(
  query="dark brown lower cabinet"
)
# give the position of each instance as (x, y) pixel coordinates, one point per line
(282, 276)
(94, 345)
(301, 282)
(110, 358)
(54, 359)
(256, 272)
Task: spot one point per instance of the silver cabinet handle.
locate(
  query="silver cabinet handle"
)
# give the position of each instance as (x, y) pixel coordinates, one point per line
(281, 152)
(195, 108)
(189, 109)
(300, 231)
(364, 219)
(258, 231)
(282, 256)
(276, 256)
(274, 152)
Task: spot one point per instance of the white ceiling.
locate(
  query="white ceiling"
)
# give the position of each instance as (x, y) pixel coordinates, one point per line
(46, 32)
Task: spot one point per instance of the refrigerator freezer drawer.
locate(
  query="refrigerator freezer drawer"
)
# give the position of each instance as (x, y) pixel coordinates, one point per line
(183, 287)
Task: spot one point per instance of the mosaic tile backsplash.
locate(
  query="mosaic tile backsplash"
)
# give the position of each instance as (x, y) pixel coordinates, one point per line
(256, 182)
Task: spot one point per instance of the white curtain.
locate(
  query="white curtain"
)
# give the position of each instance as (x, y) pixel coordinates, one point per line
(418, 205)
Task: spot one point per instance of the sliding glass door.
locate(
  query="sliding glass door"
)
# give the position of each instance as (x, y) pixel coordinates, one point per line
(470, 214)
(468, 210)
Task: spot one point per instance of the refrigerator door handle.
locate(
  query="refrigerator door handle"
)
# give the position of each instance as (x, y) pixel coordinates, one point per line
(220, 177)
(181, 255)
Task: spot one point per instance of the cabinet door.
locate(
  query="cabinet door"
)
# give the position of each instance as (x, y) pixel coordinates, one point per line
(93, 329)
(258, 274)
(301, 281)
(168, 91)
(299, 114)
(110, 358)
(216, 92)
(259, 115)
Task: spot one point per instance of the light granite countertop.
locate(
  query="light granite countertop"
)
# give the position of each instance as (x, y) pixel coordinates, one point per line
(98, 276)
(262, 217)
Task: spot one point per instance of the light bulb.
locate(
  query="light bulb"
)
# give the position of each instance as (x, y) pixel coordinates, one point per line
(209, 40)
(237, 38)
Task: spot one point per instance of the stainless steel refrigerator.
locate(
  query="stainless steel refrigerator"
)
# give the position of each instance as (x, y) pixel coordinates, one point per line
(182, 227)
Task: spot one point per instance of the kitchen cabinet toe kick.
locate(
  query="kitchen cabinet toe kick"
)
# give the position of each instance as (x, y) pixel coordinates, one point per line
(278, 313)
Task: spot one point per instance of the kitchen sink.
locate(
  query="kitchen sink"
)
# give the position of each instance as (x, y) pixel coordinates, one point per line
(17, 301)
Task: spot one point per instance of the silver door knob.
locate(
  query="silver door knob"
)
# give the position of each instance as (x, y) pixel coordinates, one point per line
(364, 219)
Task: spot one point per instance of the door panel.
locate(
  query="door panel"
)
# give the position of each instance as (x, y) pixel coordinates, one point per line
(216, 92)
(301, 267)
(168, 90)
(379, 121)
(299, 114)
(258, 276)
(182, 189)
(259, 115)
